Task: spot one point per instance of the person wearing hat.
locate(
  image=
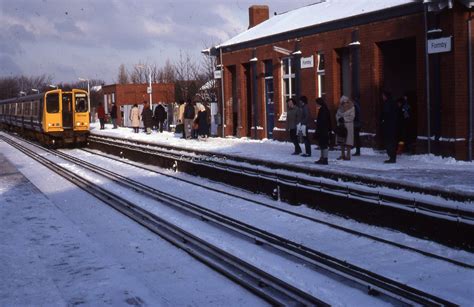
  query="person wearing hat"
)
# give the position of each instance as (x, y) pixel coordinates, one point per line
(113, 115)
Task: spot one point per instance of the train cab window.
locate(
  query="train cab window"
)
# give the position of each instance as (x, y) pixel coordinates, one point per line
(81, 102)
(52, 103)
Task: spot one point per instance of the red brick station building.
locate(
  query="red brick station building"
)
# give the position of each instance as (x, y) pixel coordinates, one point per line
(354, 48)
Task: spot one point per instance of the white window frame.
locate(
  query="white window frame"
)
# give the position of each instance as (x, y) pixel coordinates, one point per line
(320, 74)
(284, 97)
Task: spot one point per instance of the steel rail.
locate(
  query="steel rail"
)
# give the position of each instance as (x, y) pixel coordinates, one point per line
(262, 284)
(316, 220)
(373, 282)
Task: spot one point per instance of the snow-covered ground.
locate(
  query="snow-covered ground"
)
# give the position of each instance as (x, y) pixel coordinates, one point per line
(61, 247)
(434, 276)
(427, 171)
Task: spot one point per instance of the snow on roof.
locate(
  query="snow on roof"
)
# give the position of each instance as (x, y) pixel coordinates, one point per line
(208, 85)
(96, 88)
(311, 15)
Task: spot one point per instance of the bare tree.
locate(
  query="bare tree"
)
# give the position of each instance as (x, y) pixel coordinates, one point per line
(11, 86)
(188, 77)
(139, 73)
(122, 75)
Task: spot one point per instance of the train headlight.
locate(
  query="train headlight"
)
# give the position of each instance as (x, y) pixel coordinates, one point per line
(49, 125)
(78, 124)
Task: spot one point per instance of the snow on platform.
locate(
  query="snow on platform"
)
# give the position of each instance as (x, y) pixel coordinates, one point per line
(421, 171)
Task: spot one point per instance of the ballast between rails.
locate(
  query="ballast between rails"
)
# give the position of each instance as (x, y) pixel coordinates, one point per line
(412, 205)
(264, 285)
(366, 278)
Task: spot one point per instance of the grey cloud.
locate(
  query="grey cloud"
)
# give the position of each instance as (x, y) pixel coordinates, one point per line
(8, 67)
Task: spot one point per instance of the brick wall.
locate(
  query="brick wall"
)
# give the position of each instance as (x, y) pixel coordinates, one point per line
(453, 68)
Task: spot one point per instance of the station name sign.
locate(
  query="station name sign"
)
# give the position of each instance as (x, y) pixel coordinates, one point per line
(439, 45)
(307, 62)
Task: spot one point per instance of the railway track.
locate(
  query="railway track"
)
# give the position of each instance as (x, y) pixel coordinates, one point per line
(375, 283)
(450, 225)
(292, 213)
(268, 287)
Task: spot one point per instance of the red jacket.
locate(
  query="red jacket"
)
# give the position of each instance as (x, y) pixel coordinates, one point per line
(101, 112)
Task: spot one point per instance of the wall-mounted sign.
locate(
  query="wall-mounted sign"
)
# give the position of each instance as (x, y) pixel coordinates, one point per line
(148, 90)
(439, 45)
(217, 74)
(307, 62)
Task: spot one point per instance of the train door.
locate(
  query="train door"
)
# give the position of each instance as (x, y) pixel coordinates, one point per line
(52, 120)
(80, 110)
(67, 110)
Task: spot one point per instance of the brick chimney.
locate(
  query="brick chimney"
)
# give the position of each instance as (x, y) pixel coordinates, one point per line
(257, 14)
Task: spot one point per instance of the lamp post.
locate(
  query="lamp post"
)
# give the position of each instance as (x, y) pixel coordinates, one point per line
(53, 86)
(149, 90)
(22, 93)
(35, 90)
(88, 93)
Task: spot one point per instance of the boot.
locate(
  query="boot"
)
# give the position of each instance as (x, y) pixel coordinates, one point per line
(357, 153)
(322, 161)
(343, 151)
(348, 155)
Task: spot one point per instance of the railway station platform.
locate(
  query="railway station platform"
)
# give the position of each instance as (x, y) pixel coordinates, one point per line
(425, 175)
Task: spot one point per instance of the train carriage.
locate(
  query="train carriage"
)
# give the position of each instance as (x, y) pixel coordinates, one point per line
(55, 117)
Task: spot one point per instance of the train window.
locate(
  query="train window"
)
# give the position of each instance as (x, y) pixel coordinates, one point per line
(52, 103)
(13, 109)
(19, 109)
(67, 102)
(35, 108)
(27, 108)
(81, 102)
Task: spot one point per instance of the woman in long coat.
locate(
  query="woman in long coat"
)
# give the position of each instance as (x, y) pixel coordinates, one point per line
(346, 111)
(135, 118)
(203, 126)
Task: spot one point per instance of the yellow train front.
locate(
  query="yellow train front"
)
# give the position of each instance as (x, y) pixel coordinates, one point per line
(55, 117)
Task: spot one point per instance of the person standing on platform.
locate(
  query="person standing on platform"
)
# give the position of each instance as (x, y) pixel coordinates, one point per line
(147, 117)
(189, 115)
(101, 115)
(113, 115)
(160, 116)
(389, 124)
(346, 111)
(323, 128)
(203, 125)
(293, 115)
(135, 118)
(304, 122)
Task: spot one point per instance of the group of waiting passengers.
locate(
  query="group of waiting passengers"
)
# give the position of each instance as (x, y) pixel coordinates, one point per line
(394, 122)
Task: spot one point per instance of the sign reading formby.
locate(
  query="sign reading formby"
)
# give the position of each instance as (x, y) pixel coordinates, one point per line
(439, 45)
(307, 62)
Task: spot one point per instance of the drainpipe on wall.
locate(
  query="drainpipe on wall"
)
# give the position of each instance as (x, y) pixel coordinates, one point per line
(469, 84)
(427, 72)
(222, 91)
(253, 61)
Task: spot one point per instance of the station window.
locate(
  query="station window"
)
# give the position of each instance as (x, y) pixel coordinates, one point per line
(321, 75)
(288, 69)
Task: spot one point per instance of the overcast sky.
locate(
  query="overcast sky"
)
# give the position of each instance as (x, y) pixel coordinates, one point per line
(91, 38)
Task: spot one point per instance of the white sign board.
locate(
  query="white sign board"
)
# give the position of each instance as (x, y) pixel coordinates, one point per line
(217, 74)
(148, 90)
(307, 62)
(439, 45)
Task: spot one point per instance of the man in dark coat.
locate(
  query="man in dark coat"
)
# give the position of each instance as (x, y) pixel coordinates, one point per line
(147, 117)
(160, 116)
(323, 127)
(113, 115)
(390, 126)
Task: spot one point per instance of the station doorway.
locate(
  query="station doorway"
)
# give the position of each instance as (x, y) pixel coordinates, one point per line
(399, 66)
(399, 75)
(234, 100)
(248, 101)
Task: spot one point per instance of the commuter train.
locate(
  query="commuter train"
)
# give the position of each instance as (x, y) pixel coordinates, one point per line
(55, 117)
